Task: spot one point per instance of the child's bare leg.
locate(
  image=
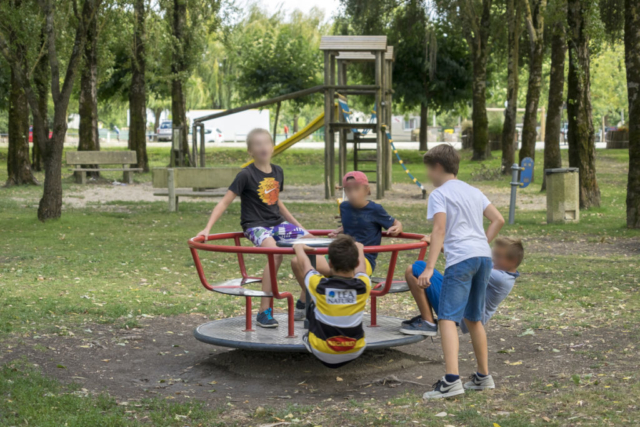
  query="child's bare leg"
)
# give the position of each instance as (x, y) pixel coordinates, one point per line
(479, 341)
(419, 296)
(322, 266)
(450, 345)
(265, 303)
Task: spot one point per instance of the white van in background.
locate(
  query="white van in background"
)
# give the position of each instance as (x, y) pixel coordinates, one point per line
(231, 128)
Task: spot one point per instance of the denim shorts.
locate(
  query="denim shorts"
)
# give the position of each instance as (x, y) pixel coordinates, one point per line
(463, 290)
(282, 231)
(434, 289)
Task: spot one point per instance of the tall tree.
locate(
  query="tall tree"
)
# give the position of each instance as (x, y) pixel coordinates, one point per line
(474, 19)
(179, 68)
(534, 17)
(51, 203)
(581, 136)
(276, 59)
(514, 27)
(632, 59)
(552, 157)
(18, 163)
(138, 89)
(88, 138)
(41, 78)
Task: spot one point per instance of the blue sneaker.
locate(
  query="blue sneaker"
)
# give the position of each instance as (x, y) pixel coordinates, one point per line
(420, 327)
(266, 320)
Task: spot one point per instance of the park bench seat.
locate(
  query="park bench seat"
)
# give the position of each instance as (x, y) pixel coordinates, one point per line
(80, 159)
(192, 182)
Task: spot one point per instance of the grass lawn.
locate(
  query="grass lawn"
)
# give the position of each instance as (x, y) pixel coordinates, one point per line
(122, 266)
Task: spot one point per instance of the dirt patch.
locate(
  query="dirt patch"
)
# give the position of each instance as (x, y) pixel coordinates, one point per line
(402, 194)
(163, 359)
(600, 246)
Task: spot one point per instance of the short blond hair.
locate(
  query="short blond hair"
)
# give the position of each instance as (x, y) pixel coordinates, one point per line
(513, 246)
(255, 132)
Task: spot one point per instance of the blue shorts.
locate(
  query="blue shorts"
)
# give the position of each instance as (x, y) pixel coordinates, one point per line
(461, 291)
(433, 291)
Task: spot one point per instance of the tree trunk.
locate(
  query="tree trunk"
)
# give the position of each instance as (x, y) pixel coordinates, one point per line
(88, 102)
(632, 60)
(582, 152)
(295, 123)
(479, 114)
(552, 157)
(41, 80)
(423, 135)
(535, 21)
(178, 68)
(508, 141)
(137, 91)
(18, 163)
(479, 43)
(157, 113)
(275, 123)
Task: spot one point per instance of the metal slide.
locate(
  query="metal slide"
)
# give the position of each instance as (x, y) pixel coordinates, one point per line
(313, 126)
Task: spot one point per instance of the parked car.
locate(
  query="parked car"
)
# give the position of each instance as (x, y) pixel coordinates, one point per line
(31, 134)
(217, 136)
(165, 131)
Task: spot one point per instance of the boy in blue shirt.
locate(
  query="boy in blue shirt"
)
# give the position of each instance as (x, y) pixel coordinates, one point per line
(457, 211)
(362, 219)
(507, 254)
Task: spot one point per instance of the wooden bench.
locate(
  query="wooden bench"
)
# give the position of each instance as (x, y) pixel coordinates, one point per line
(124, 158)
(192, 182)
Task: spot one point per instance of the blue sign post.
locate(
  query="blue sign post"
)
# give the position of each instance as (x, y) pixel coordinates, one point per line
(526, 176)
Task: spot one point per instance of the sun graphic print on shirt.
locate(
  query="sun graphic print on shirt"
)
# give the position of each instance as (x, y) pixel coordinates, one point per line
(268, 191)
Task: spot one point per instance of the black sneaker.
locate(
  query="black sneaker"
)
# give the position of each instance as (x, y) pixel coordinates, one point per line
(266, 320)
(410, 321)
(442, 389)
(480, 383)
(300, 311)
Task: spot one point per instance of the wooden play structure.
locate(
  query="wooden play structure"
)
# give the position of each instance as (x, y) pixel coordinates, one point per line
(370, 141)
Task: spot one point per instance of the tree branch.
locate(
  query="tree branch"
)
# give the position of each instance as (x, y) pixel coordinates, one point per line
(531, 29)
(47, 8)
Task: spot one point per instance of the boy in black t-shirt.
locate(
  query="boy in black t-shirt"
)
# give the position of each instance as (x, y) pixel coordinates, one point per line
(264, 218)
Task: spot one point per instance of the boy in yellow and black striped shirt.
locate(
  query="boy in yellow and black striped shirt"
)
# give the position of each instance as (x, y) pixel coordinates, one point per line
(336, 336)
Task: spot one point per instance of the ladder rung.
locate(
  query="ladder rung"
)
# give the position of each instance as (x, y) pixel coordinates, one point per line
(366, 140)
(367, 171)
(366, 149)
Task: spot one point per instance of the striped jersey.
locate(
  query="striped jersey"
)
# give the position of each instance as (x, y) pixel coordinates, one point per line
(335, 324)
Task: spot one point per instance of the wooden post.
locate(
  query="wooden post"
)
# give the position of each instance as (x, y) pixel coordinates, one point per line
(328, 104)
(543, 122)
(388, 108)
(380, 137)
(332, 145)
(173, 201)
(202, 142)
(342, 152)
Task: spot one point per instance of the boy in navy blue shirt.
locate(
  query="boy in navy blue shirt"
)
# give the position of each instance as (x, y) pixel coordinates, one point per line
(362, 219)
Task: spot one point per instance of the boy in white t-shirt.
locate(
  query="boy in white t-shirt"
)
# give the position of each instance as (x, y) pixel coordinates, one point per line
(457, 211)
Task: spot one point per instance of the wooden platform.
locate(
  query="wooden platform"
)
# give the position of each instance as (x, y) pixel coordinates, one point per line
(354, 43)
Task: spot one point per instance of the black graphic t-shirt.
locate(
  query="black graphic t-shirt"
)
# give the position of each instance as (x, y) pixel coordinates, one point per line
(259, 193)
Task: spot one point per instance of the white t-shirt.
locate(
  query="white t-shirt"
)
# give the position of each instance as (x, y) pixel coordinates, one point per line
(464, 205)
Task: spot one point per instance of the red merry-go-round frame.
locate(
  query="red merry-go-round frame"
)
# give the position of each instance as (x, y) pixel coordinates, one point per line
(199, 243)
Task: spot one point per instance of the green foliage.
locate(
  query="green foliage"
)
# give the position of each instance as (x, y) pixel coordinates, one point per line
(276, 58)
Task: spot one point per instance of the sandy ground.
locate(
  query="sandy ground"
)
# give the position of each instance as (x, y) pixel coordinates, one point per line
(402, 194)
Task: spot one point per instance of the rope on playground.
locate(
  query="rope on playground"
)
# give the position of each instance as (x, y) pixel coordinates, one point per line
(395, 151)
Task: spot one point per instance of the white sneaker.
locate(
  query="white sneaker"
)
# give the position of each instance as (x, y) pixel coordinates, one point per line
(442, 389)
(299, 314)
(480, 383)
